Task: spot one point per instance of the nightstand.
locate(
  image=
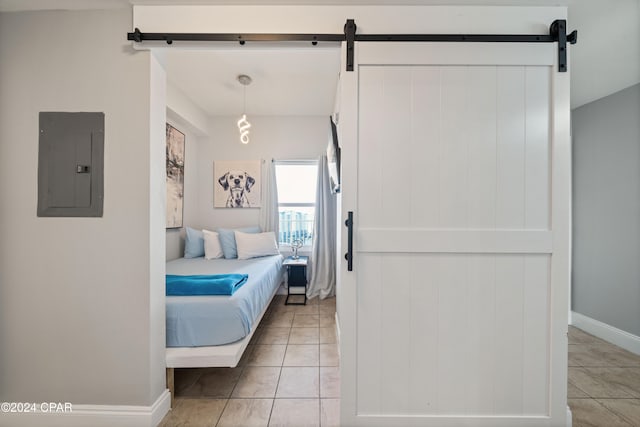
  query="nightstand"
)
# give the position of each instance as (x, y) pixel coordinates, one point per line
(296, 277)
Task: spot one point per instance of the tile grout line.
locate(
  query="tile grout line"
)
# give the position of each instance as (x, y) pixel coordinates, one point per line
(242, 369)
(223, 409)
(614, 413)
(273, 401)
(275, 393)
(623, 416)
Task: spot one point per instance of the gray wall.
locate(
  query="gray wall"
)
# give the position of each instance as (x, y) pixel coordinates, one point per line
(81, 299)
(606, 210)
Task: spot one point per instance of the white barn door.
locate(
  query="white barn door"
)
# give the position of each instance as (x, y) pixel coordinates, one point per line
(456, 165)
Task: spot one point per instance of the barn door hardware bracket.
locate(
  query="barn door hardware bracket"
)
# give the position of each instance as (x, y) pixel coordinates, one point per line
(558, 32)
(350, 37)
(136, 36)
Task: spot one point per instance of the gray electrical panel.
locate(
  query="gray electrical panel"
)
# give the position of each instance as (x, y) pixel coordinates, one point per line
(71, 164)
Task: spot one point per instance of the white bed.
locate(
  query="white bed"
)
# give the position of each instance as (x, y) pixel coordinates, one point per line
(249, 303)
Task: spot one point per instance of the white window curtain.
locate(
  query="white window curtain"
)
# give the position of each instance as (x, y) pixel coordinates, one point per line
(269, 217)
(323, 255)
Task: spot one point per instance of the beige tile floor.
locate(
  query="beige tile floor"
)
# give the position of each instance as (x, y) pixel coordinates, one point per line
(289, 376)
(604, 383)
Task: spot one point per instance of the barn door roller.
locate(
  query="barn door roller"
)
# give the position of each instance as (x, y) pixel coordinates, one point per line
(557, 33)
(350, 37)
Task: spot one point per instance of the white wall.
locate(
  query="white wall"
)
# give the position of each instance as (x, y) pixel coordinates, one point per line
(272, 137)
(156, 214)
(189, 119)
(193, 141)
(293, 137)
(319, 19)
(185, 111)
(592, 73)
(81, 299)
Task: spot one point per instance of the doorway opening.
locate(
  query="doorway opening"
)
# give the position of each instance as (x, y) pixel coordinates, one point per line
(292, 93)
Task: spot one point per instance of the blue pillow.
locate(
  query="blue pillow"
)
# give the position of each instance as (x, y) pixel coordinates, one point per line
(193, 243)
(228, 240)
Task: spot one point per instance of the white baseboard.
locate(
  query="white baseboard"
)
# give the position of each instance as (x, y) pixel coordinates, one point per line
(606, 332)
(569, 417)
(94, 415)
(160, 407)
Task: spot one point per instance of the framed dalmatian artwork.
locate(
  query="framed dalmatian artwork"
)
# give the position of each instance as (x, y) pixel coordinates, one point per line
(236, 184)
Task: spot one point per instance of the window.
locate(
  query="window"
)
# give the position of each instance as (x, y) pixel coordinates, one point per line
(296, 182)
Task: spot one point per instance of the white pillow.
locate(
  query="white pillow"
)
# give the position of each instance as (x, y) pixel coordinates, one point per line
(212, 247)
(252, 245)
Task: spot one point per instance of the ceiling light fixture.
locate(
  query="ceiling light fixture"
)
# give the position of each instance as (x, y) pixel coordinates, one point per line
(243, 123)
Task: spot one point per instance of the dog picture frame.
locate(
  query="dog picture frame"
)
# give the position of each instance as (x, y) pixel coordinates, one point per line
(237, 184)
(175, 176)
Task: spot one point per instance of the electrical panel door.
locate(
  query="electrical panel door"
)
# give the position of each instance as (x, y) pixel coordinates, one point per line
(70, 164)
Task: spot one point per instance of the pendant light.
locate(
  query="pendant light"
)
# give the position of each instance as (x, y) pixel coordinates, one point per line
(243, 123)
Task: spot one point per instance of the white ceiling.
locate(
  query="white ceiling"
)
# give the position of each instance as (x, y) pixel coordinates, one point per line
(302, 81)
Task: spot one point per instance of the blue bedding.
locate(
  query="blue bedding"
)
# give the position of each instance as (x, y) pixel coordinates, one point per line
(204, 284)
(205, 320)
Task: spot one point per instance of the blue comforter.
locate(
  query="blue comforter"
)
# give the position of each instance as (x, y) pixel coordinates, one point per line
(216, 284)
(205, 320)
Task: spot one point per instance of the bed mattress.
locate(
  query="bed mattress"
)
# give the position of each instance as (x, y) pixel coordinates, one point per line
(194, 321)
